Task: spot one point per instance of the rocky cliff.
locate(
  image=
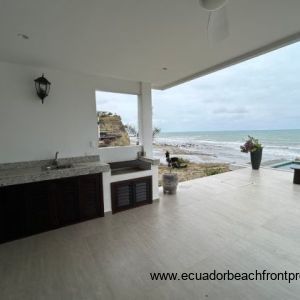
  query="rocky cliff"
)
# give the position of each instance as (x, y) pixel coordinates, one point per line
(112, 131)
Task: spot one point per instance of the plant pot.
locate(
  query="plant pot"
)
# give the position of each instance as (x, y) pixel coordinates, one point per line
(256, 159)
(170, 182)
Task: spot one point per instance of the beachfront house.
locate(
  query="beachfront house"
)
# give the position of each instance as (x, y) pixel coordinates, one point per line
(241, 221)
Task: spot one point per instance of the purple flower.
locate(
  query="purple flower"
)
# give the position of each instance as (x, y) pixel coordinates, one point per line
(250, 145)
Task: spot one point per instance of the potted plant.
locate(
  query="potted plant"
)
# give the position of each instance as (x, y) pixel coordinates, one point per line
(255, 148)
(170, 180)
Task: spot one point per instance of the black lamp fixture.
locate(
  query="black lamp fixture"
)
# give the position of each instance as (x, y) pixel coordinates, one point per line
(42, 86)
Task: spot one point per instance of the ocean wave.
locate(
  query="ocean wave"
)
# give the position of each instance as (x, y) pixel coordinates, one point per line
(283, 147)
(184, 142)
(192, 143)
(228, 151)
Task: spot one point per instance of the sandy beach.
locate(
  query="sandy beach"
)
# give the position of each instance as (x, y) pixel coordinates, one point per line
(193, 170)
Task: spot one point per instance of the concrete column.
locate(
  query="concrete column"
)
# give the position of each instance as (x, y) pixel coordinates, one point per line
(145, 118)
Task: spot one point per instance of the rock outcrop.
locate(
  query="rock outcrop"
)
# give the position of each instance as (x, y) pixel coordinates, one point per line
(112, 131)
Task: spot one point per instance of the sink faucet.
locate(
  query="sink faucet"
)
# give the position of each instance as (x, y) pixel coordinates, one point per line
(55, 161)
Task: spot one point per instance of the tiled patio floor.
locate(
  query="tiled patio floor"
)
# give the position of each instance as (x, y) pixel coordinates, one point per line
(242, 221)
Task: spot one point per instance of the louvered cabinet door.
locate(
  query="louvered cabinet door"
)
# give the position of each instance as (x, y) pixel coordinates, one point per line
(121, 195)
(130, 193)
(142, 189)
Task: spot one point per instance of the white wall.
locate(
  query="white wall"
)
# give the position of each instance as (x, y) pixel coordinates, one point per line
(108, 179)
(66, 122)
(111, 154)
(145, 118)
(155, 190)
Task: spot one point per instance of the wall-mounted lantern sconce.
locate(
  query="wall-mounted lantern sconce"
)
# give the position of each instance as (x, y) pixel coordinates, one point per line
(42, 86)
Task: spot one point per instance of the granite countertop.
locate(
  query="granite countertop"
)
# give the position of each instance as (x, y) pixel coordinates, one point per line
(34, 171)
(152, 161)
(26, 172)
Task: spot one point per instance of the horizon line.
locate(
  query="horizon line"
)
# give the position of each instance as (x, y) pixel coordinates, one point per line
(230, 130)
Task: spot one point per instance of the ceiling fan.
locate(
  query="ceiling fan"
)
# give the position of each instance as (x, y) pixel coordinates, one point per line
(217, 25)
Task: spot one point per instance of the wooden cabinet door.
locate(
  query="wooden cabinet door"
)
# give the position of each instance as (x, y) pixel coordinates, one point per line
(67, 201)
(41, 209)
(36, 207)
(2, 215)
(121, 195)
(142, 190)
(130, 193)
(90, 197)
(13, 213)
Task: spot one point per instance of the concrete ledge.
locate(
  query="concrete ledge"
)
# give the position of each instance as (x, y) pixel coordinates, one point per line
(153, 161)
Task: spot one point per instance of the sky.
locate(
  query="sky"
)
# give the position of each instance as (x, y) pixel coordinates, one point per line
(122, 104)
(261, 93)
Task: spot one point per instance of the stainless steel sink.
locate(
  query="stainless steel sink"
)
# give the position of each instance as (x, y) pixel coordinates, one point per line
(57, 167)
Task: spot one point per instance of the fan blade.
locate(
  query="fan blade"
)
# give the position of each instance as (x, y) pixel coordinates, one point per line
(218, 25)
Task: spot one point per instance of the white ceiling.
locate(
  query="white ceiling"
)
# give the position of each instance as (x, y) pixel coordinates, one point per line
(136, 39)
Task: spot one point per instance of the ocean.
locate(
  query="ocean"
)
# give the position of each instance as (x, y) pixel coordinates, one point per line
(224, 146)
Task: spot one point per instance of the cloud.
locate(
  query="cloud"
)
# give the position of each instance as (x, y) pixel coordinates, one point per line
(237, 110)
(123, 105)
(250, 95)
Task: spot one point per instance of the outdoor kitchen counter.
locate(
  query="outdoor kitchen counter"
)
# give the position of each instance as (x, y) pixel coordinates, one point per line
(27, 172)
(152, 161)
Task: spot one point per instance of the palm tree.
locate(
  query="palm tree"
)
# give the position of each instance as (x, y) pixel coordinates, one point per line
(131, 130)
(156, 131)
